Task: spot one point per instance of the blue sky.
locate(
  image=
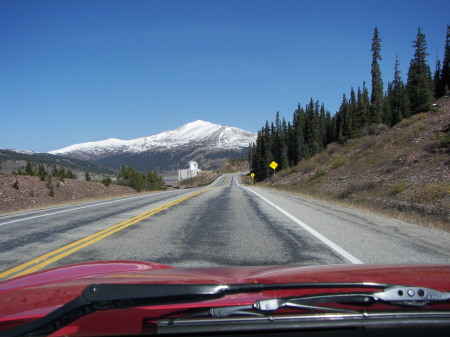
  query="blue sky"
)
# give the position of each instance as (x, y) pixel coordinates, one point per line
(87, 70)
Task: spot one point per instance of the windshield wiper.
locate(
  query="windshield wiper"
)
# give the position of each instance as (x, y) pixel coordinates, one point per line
(396, 295)
(113, 296)
(402, 296)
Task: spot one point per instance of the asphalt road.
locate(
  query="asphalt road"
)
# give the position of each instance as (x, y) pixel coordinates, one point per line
(224, 224)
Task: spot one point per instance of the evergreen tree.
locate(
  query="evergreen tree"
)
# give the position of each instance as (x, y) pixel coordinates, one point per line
(397, 97)
(29, 169)
(419, 77)
(329, 129)
(87, 176)
(70, 175)
(154, 181)
(284, 139)
(312, 129)
(387, 112)
(376, 99)
(354, 130)
(437, 80)
(300, 143)
(343, 121)
(42, 172)
(444, 84)
(129, 176)
(362, 108)
(106, 181)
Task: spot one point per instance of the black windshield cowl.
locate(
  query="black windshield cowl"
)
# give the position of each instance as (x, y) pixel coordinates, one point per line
(111, 296)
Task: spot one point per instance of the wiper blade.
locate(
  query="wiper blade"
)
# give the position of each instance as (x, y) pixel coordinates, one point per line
(111, 296)
(395, 295)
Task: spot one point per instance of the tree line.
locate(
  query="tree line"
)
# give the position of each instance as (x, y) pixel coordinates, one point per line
(140, 181)
(128, 176)
(58, 171)
(312, 127)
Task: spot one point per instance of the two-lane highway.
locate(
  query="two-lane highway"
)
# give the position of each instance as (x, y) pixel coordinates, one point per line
(223, 224)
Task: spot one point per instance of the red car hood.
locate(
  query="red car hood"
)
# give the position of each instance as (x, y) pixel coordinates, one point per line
(37, 294)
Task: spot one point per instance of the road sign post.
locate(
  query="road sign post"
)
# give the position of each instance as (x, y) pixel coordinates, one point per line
(273, 165)
(253, 177)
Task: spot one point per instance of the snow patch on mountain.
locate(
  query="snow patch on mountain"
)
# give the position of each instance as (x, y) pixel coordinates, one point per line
(196, 134)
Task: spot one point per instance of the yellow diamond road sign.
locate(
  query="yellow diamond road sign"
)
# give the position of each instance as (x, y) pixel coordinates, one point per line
(273, 165)
(252, 175)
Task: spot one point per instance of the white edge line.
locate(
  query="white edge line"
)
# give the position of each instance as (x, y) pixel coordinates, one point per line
(322, 238)
(75, 209)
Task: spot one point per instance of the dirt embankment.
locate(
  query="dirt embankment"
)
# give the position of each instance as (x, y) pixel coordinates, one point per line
(27, 192)
(202, 179)
(402, 171)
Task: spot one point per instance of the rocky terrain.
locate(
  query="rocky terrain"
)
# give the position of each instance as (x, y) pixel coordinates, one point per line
(27, 192)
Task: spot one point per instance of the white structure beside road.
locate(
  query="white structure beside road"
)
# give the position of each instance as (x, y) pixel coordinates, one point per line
(192, 171)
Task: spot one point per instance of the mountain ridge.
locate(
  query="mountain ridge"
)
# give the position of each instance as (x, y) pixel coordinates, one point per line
(195, 134)
(210, 144)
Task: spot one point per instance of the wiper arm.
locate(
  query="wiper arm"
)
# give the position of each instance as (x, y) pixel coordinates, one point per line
(111, 296)
(395, 295)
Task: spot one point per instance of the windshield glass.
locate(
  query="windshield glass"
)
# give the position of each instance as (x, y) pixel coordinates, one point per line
(202, 134)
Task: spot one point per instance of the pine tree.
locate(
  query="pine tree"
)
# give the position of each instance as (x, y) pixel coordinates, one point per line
(70, 174)
(42, 172)
(387, 112)
(343, 121)
(129, 176)
(376, 99)
(445, 73)
(362, 108)
(419, 77)
(397, 97)
(352, 111)
(437, 80)
(300, 142)
(29, 169)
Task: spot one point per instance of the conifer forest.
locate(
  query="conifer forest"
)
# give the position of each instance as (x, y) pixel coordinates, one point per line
(360, 113)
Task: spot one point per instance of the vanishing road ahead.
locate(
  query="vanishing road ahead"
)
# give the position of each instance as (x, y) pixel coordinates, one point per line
(224, 224)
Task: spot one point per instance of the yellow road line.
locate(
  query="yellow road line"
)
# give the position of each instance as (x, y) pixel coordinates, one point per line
(226, 182)
(53, 256)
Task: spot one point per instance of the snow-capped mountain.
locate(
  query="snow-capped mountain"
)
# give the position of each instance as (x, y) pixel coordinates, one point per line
(196, 136)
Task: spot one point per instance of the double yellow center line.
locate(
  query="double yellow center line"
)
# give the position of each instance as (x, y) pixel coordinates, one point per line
(46, 259)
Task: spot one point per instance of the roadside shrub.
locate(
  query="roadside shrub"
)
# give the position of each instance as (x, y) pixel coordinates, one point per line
(49, 185)
(306, 166)
(15, 184)
(338, 162)
(369, 143)
(106, 181)
(441, 144)
(397, 189)
(318, 176)
(377, 129)
(427, 193)
(333, 148)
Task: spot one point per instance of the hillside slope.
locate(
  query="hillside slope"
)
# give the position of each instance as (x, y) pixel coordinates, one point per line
(13, 160)
(25, 192)
(402, 171)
